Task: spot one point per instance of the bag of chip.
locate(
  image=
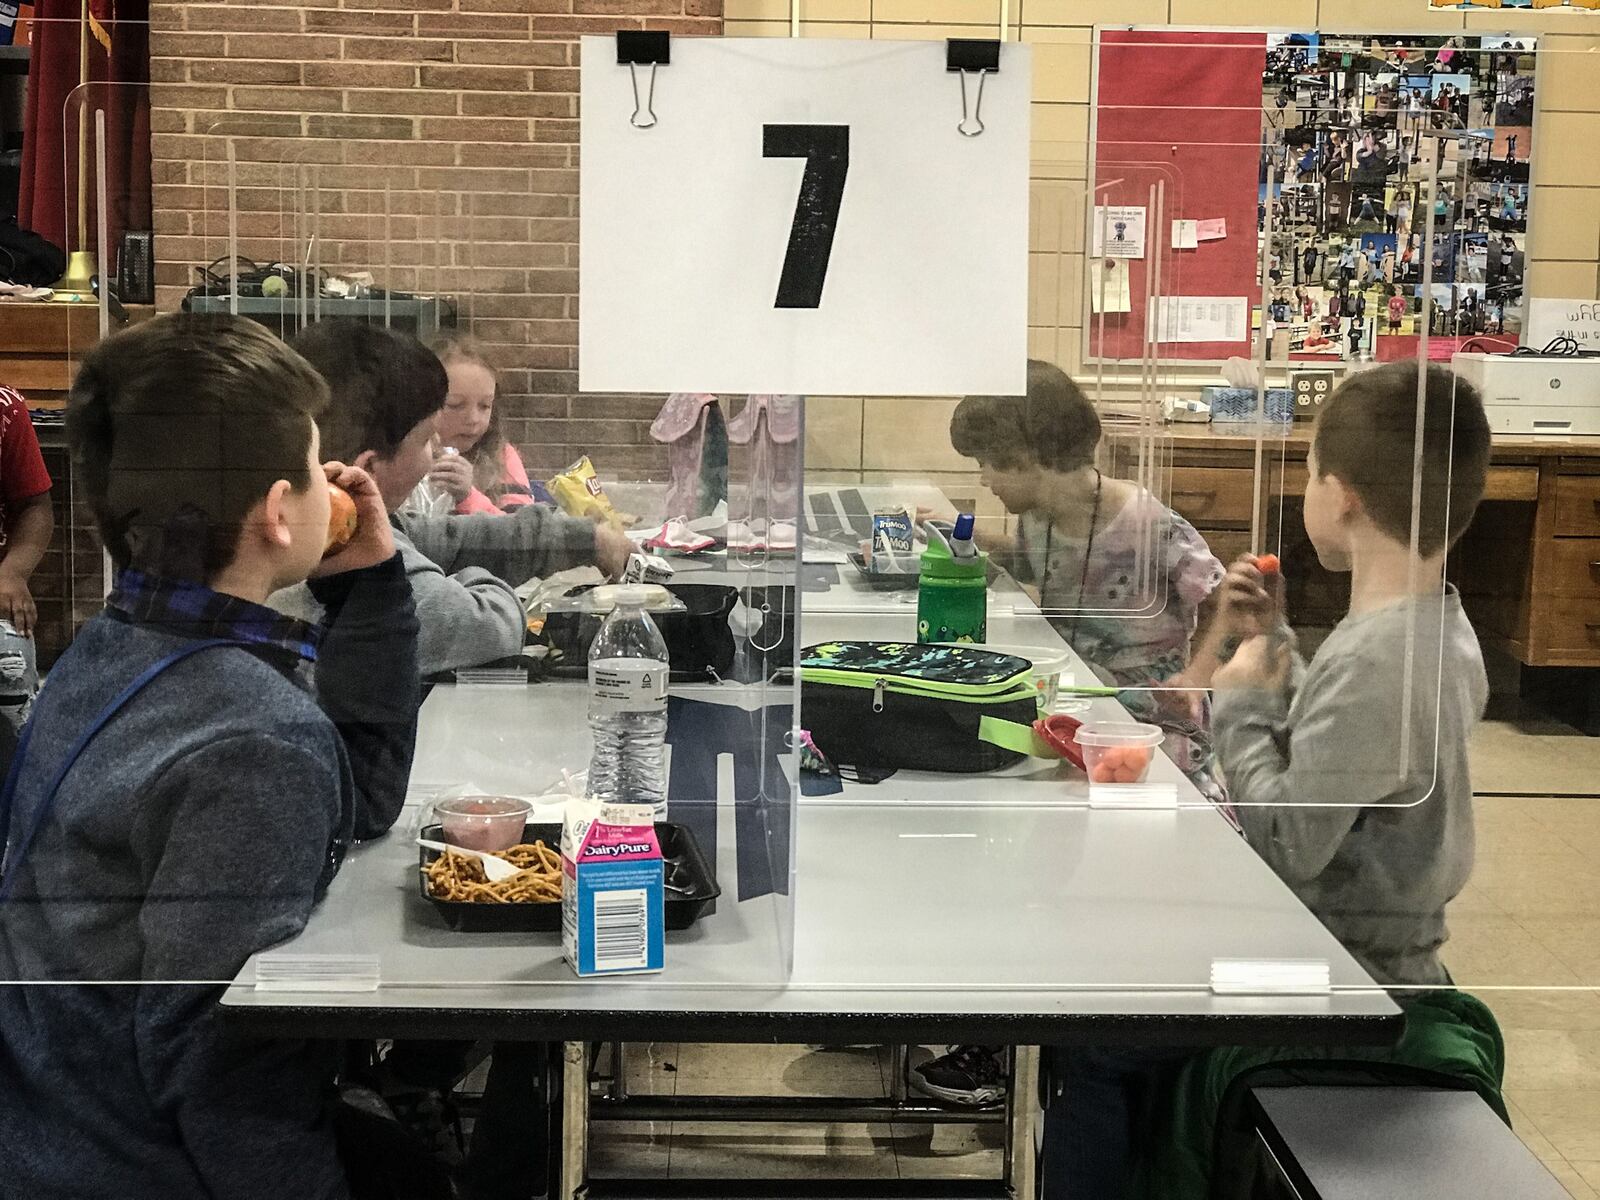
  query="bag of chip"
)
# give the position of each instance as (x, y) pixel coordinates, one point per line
(577, 490)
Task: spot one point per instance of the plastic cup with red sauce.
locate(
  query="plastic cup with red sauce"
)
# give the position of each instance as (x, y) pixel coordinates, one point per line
(488, 823)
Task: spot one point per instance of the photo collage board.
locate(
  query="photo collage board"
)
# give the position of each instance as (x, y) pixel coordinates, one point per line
(1348, 122)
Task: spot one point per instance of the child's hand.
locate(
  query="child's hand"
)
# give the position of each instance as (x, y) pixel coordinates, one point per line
(16, 602)
(1183, 698)
(1260, 662)
(453, 473)
(1249, 601)
(611, 549)
(373, 542)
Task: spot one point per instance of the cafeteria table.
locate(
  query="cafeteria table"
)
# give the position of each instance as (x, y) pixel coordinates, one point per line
(999, 908)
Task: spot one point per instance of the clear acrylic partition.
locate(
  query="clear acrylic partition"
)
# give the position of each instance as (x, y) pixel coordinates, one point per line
(1124, 907)
(293, 230)
(1434, 206)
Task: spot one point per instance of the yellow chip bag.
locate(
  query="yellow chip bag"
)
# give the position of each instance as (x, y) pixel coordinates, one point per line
(577, 490)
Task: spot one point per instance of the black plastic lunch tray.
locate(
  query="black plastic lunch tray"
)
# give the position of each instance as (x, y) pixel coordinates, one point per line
(691, 886)
(884, 581)
(700, 644)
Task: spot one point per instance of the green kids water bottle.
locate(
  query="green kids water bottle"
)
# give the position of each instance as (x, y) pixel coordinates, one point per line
(953, 588)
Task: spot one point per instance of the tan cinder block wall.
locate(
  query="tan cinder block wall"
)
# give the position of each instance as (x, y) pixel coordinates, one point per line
(911, 436)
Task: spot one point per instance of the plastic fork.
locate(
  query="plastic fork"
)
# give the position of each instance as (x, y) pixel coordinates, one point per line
(495, 868)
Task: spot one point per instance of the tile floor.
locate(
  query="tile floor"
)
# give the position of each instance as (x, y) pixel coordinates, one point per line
(1525, 937)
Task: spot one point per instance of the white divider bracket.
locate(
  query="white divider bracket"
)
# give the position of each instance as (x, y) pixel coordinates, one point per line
(1270, 977)
(317, 973)
(1133, 795)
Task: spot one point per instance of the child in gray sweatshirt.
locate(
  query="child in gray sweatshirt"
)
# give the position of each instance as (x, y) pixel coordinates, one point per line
(388, 390)
(1349, 774)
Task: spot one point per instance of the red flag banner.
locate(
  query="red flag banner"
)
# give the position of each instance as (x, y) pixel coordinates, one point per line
(119, 70)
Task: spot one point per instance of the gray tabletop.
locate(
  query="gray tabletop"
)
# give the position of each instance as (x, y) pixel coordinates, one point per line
(935, 907)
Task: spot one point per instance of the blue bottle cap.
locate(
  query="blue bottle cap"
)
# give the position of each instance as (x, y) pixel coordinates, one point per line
(963, 530)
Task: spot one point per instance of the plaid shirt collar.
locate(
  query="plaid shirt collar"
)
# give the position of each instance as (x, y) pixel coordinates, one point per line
(194, 610)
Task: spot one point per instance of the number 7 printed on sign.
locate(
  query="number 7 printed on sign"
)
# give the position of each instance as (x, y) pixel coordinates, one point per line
(826, 149)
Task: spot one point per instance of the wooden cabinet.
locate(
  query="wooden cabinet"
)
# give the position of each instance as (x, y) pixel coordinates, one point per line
(1214, 497)
(41, 344)
(1576, 572)
(1572, 629)
(1577, 506)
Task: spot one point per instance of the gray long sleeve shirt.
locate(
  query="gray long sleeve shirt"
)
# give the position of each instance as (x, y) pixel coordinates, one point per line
(1361, 805)
(463, 571)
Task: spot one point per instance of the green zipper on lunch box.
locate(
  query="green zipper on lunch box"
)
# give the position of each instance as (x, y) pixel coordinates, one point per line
(1005, 691)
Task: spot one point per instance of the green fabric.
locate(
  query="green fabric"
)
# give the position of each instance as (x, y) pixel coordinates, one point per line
(1016, 737)
(1201, 1142)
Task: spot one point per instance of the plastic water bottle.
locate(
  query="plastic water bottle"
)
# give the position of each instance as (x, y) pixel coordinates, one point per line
(628, 671)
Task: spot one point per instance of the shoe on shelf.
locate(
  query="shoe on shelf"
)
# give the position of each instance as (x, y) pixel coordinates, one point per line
(677, 535)
(783, 536)
(748, 537)
(966, 1077)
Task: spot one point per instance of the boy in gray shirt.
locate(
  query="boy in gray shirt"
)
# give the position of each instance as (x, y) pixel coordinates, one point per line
(388, 390)
(1349, 774)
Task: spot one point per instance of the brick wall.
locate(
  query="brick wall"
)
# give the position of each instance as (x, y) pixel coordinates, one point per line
(67, 595)
(459, 117)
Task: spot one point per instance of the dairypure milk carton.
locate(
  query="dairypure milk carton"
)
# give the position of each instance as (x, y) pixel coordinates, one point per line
(613, 919)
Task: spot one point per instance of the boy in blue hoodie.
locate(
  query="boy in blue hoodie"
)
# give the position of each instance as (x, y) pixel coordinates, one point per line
(183, 797)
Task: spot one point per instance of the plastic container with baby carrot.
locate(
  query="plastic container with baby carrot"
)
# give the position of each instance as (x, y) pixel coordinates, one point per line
(1117, 751)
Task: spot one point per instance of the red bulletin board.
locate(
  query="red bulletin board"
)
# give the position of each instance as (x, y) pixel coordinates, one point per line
(1202, 92)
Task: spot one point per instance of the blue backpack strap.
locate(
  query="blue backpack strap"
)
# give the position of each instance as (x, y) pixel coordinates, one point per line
(7, 796)
(18, 752)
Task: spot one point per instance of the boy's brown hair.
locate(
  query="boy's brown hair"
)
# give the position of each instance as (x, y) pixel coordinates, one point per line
(383, 384)
(178, 427)
(1366, 437)
(1053, 426)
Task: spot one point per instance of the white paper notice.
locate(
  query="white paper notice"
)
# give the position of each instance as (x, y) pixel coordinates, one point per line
(1203, 318)
(1213, 229)
(803, 218)
(1550, 319)
(1109, 290)
(1185, 235)
(1118, 232)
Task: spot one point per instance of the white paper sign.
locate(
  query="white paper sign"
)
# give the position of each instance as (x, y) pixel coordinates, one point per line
(1550, 319)
(804, 217)
(1109, 289)
(1118, 231)
(1185, 235)
(1203, 318)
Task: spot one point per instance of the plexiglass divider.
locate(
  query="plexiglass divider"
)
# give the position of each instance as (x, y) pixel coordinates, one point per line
(460, 244)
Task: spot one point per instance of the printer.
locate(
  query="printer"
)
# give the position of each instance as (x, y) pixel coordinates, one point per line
(1536, 393)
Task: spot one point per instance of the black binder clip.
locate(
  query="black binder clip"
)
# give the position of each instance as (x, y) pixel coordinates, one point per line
(637, 47)
(971, 56)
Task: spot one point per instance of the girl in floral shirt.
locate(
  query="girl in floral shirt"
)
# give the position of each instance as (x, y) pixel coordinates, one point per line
(1121, 576)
